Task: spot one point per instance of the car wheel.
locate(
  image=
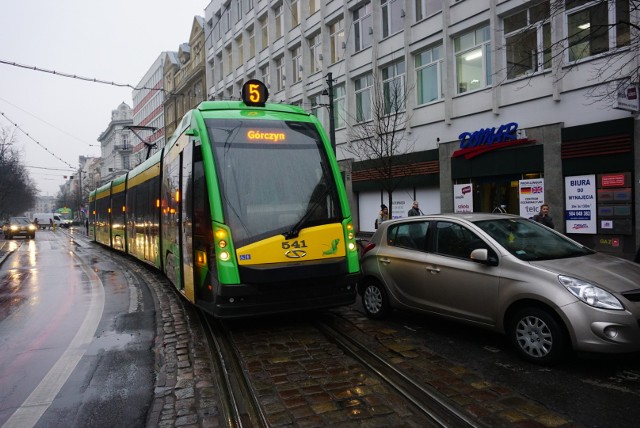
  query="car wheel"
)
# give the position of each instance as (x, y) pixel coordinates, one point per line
(374, 299)
(538, 336)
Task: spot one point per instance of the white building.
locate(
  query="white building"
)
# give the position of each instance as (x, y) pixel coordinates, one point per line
(116, 144)
(148, 113)
(498, 71)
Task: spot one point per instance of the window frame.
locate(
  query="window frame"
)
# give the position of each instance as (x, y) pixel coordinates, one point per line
(438, 64)
(477, 49)
(362, 39)
(362, 94)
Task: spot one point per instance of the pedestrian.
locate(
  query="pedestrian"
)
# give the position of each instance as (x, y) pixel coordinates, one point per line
(415, 210)
(543, 216)
(51, 223)
(86, 225)
(383, 215)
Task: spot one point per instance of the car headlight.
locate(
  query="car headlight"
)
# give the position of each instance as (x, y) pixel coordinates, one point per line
(590, 294)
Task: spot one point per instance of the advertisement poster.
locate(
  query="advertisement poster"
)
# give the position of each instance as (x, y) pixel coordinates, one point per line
(531, 194)
(463, 198)
(580, 214)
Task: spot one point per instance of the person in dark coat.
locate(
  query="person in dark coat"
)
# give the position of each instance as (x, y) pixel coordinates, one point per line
(543, 216)
(415, 210)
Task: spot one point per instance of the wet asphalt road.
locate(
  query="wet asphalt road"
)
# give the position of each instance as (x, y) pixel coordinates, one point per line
(76, 338)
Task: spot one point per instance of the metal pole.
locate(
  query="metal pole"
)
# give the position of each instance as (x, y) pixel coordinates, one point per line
(332, 120)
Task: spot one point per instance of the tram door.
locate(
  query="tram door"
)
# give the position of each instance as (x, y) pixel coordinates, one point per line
(186, 220)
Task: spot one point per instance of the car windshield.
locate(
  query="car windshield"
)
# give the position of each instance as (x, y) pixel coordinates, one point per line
(20, 220)
(530, 241)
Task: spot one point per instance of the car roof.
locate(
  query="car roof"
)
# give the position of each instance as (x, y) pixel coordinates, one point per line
(472, 217)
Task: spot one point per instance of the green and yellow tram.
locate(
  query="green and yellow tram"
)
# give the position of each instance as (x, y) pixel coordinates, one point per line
(244, 210)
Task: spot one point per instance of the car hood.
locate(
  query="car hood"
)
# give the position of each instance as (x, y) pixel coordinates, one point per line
(612, 273)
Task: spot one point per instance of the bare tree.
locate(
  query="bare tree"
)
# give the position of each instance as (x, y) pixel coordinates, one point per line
(605, 31)
(377, 133)
(17, 190)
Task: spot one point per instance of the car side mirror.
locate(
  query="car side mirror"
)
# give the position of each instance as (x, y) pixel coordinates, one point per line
(481, 255)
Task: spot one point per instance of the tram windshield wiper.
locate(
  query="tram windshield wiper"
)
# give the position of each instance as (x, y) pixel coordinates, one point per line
(295, 230)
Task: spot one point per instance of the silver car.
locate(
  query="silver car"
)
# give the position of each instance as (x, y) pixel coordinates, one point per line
(548, 293)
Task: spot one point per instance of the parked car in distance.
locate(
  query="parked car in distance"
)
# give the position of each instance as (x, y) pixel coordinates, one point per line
(548, 293)
(18, 226)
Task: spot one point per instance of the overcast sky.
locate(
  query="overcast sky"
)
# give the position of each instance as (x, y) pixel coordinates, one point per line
(115, 41)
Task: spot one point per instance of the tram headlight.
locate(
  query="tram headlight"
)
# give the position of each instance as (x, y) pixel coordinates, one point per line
(222, 243)
(224, 256)
(352, 246)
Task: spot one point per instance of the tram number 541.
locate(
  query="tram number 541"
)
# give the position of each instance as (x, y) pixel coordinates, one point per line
(295, 244)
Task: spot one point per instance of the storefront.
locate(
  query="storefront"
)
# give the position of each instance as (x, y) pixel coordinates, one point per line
(413, 176)
(585, 173)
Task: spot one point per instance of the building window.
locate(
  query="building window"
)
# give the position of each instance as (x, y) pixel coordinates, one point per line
(264, 73)
(317, 109)
(473, 60)
(362, 27)
(296, 63)
(278, 21)
(295, 13)
(429, 75)
(314, 6)
(393, 87)
(227, 19)
(425, 8)
(528, 37)
(280, 74)
(240, 56)
(339, 97)
(336, 36)
(594, 27)
(315, 48)
(252, 42)
(239, 12)
(248, 5)
(229, 61)
(392, 20)
(363, 97)
(264, 29)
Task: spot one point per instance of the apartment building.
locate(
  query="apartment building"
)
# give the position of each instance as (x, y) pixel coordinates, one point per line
(116, 144)
(507, 103)
(148, 113)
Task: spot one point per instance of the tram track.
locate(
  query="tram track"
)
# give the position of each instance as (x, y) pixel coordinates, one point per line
(238, 402)
(432, 404)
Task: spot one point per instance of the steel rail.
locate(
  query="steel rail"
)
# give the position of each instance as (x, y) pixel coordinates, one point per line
(430, 402)
(239, 404)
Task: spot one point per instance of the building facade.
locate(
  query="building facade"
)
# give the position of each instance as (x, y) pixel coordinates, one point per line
(116, 144)
(148, 113)
(502, 109)
(184, 77)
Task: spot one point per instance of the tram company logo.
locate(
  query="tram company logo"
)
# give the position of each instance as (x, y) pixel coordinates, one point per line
(295, 254)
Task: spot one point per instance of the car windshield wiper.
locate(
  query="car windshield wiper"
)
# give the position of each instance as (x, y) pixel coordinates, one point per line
(295, 230)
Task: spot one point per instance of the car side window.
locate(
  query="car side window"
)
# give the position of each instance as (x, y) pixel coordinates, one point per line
(409, 235)
(454, 240)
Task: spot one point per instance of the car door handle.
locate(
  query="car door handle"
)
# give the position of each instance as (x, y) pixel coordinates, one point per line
(433, 269)
(385, 260)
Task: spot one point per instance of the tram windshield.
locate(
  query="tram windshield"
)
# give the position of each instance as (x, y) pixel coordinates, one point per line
(274, 177)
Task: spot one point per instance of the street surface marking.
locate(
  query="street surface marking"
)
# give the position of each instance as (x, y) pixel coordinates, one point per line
(28, 414)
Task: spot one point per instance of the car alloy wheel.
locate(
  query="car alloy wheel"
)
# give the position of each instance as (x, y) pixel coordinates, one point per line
(538, 336)
(374, 299)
